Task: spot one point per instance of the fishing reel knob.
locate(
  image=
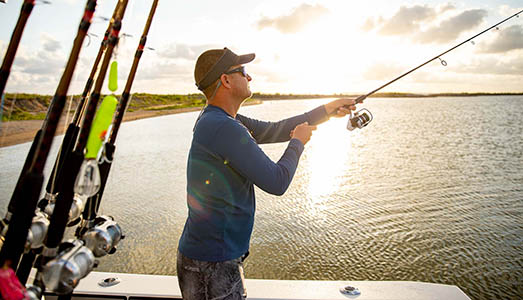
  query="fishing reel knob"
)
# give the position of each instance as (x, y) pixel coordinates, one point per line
(62, 274)
(37, 231)
(359, 119)
(103, 237)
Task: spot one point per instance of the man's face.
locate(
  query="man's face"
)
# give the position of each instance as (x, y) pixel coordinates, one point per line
(240, 80)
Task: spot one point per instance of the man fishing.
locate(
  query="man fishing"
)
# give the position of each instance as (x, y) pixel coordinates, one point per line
(224, 164)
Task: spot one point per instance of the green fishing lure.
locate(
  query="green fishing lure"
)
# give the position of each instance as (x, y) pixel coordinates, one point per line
(104, 116)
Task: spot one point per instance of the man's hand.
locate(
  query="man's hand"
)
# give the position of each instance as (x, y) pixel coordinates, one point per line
(340, 107)
(303, 132)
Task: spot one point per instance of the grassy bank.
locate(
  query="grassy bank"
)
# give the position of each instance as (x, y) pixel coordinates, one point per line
(34, 107)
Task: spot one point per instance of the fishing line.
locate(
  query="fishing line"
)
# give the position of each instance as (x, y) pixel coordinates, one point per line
(362, 118)
(443, 62)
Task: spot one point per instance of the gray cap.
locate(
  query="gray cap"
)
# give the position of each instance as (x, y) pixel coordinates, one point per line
(206, 76)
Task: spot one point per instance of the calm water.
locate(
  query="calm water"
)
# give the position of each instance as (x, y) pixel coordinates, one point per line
(431, 190)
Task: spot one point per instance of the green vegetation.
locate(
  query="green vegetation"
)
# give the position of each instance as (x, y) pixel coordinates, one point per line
(161, 102)
(26, 107)
(34, 107)
(22, 115)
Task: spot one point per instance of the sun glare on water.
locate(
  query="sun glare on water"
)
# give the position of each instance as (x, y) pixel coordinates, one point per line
(326, 158)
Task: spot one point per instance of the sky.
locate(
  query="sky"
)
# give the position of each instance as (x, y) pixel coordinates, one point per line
(302, 47)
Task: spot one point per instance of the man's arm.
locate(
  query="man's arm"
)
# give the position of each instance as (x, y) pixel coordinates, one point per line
(241, 151)
(275, 132)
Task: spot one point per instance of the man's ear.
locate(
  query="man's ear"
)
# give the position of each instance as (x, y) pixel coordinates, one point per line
(225, 81)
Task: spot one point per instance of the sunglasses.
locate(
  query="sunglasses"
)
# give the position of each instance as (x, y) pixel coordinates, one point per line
(239, 70)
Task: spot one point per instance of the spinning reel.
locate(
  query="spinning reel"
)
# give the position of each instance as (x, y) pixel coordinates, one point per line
(359, 119)
(74, 261)
(103, 238)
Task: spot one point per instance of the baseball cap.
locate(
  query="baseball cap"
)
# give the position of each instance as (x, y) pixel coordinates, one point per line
(211, 64)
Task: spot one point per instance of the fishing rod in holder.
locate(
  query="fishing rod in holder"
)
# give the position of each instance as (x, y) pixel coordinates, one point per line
(25, 197)
(39, 228)
(10, 54)
(58, 174)
(363, 117)
(105, 161)
(73, 162)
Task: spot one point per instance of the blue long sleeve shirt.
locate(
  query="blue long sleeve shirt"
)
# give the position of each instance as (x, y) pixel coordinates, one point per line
(225, 162)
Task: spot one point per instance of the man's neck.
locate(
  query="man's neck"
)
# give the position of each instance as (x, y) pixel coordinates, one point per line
(230, 107)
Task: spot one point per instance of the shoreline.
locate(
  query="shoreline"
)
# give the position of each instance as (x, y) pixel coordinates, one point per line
(18, 132)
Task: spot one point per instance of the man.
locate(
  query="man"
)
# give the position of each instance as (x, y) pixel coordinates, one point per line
(225, 162)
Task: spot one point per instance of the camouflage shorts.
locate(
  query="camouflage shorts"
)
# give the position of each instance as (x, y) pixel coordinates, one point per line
(211, 280)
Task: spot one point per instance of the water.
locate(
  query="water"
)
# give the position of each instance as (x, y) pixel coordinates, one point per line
(431, 190)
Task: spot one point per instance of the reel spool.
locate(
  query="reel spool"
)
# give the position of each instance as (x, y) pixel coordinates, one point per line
(359, 119)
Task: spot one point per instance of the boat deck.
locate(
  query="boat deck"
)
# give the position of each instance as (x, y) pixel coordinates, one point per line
(135, 286)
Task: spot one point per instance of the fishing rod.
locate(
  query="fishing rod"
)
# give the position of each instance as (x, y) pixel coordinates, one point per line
(5, 70)
(56, 256)
(46, 204)
(25, 198)
(9, 57)
(93, 203)
(71, 134)
(90, 80)
(26, 10)
(362, 119)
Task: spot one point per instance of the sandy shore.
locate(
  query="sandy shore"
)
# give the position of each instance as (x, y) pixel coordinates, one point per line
(17, 132)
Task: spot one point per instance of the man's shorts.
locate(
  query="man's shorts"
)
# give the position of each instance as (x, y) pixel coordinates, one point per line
(222, 280)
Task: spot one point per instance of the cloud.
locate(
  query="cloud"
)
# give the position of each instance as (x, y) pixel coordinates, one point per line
(446, 7)
(184, 51)
(508, 39)
(383, 71)
(49, 43)
(506, 10)
(41, 64)
(450, 29)
(369, 24)
(48, 60)
(493, 66)
(165, 70)
(418, 23)
(407, 20)
(298, 19)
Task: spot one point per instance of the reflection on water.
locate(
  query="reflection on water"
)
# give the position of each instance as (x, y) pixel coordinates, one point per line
(431, 190)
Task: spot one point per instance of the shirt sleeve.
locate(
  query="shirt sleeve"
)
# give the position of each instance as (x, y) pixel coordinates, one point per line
(236, 145)
(275, 132)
